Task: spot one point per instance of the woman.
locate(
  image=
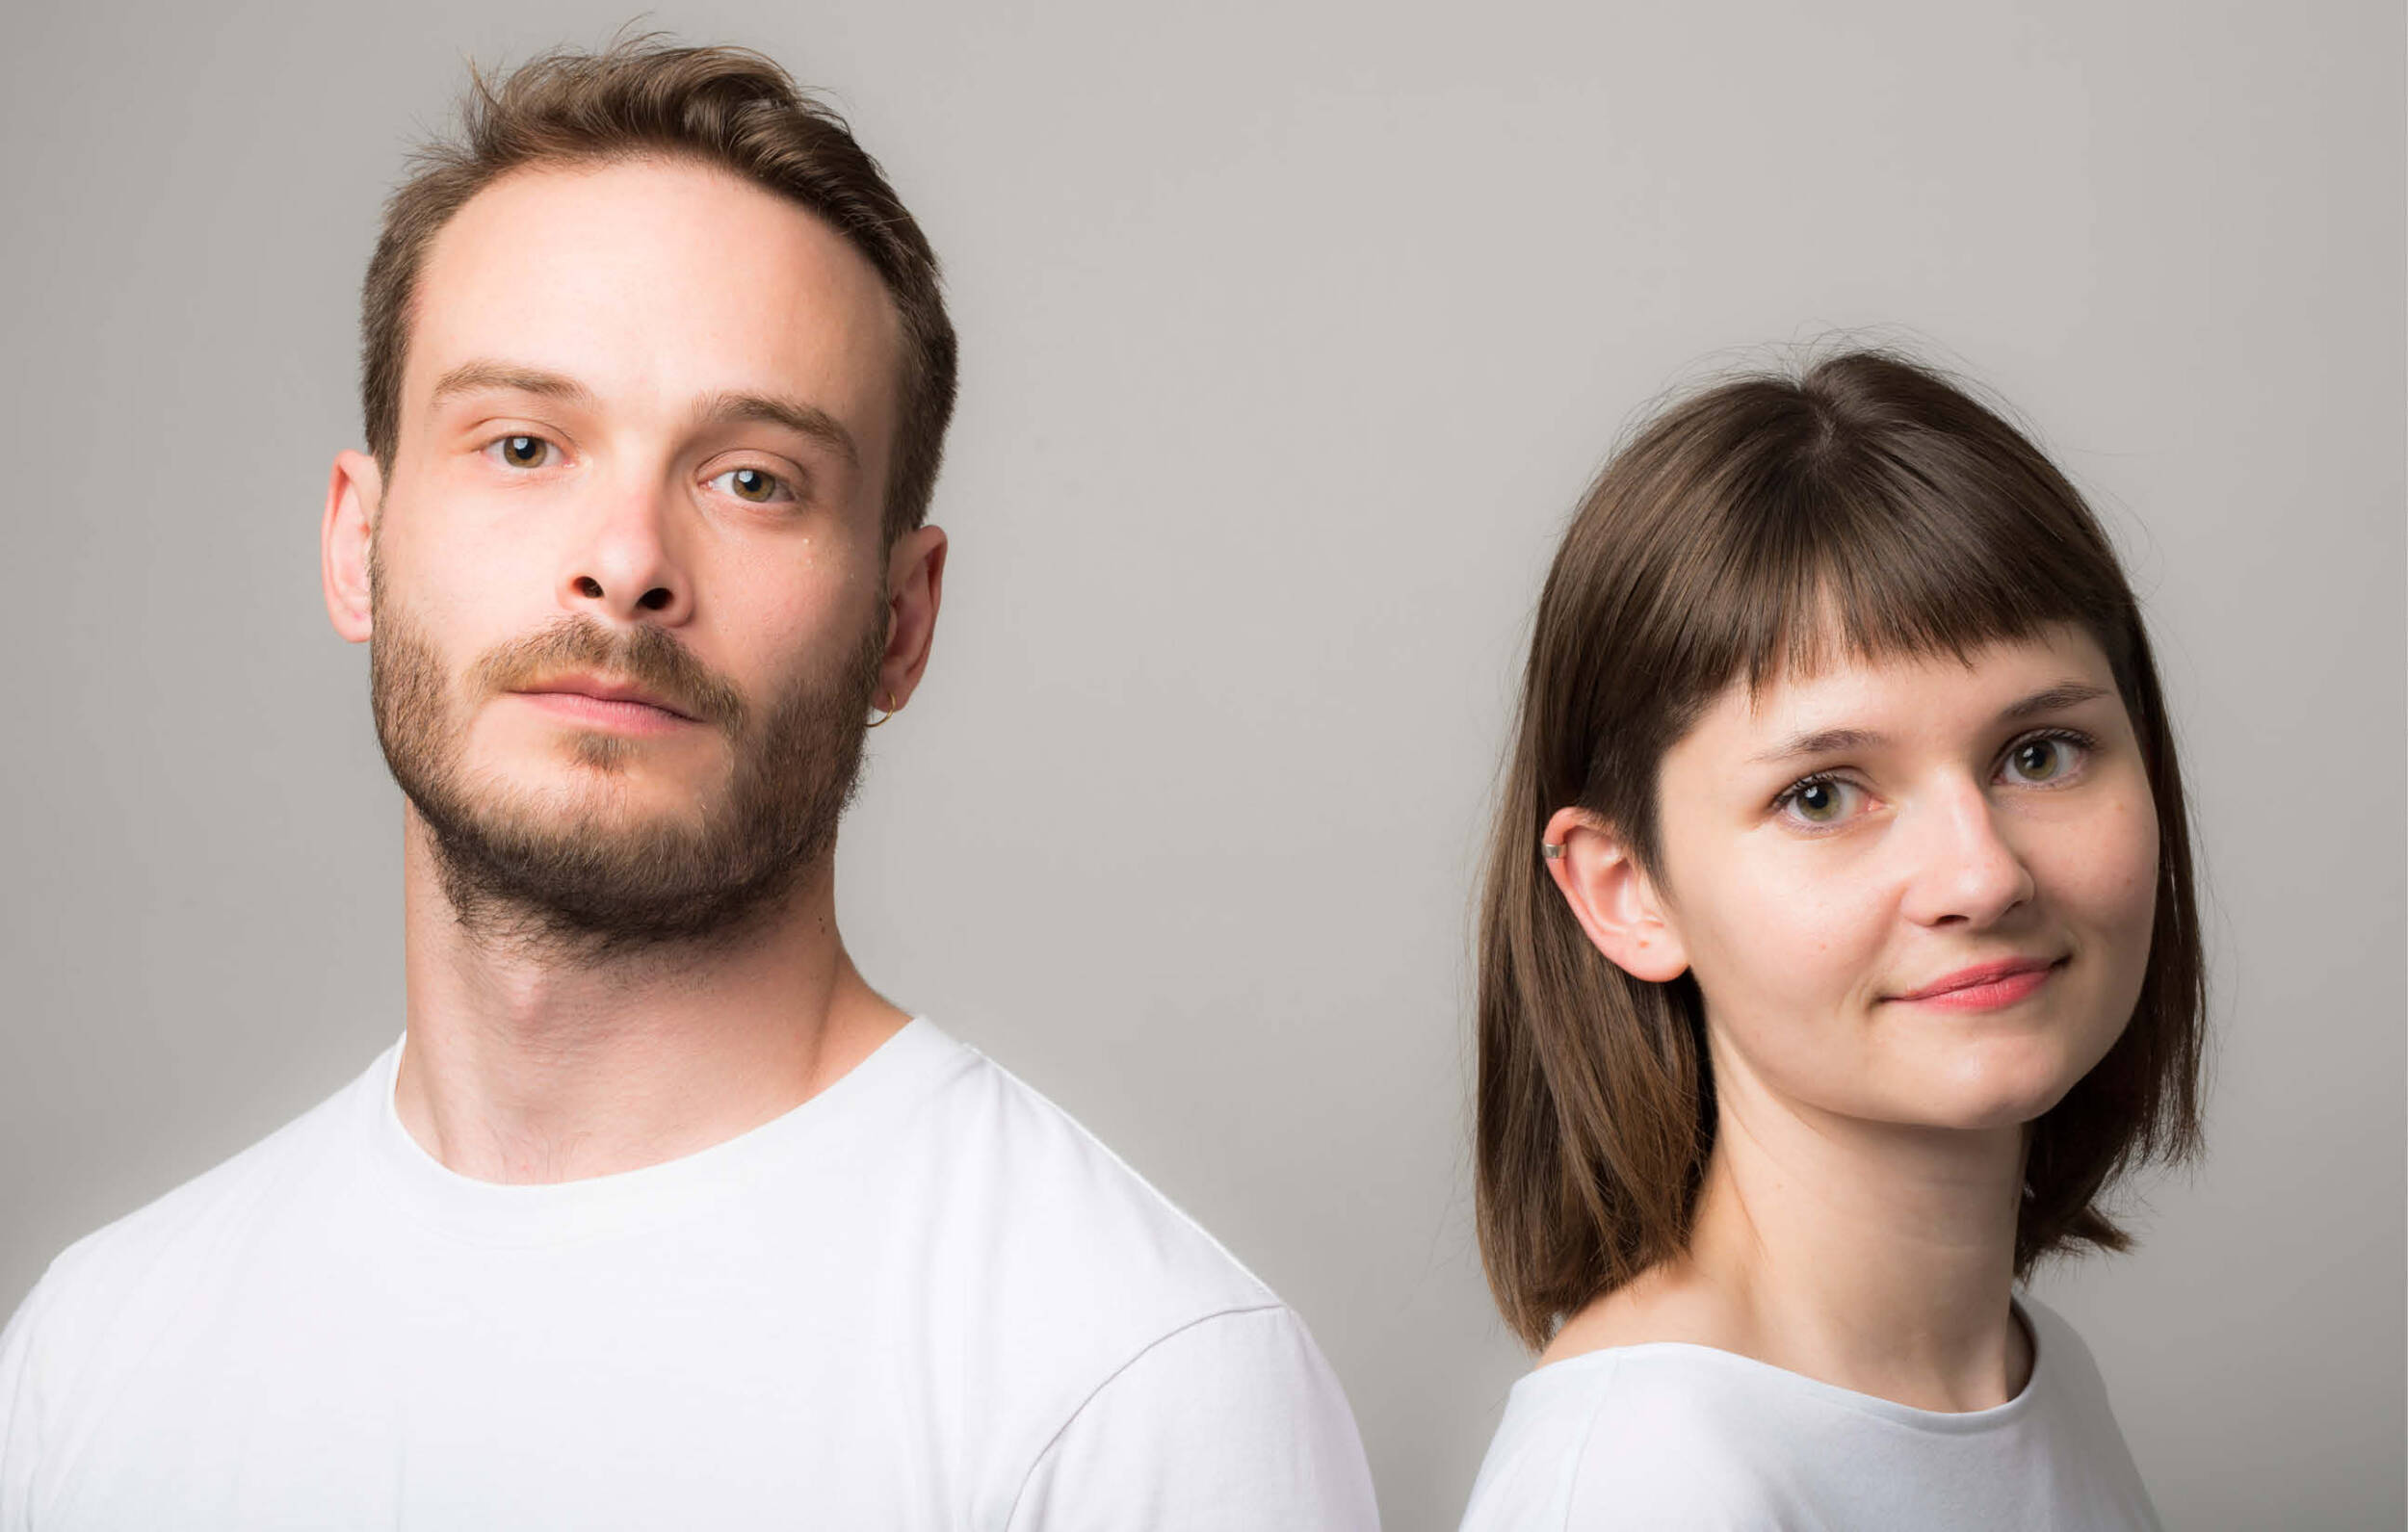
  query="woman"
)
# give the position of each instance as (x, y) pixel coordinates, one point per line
(1838, 951)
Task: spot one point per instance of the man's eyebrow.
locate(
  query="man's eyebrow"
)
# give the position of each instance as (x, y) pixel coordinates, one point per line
(720, 409)
(470, 376)
(1832, 742)
(803, 420)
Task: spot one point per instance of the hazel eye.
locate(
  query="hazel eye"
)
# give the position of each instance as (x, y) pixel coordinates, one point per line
(1818, 800)
(2046, 758)
(753, 484)
(520, 451)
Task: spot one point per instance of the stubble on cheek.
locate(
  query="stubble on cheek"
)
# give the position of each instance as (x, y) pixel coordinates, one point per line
(409, 699)
(519, 871)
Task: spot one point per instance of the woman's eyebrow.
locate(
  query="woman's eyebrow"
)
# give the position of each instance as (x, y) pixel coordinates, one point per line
(1820, 742)
(1828, 741)
(2064, 694)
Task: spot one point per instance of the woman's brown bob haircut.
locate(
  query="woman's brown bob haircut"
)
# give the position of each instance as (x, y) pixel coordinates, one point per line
(1868, 507)
(729, 109)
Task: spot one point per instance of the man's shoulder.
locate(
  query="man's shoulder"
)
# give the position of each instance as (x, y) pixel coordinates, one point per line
(1059, 1209)
(1099, 1324)
(160, 1245)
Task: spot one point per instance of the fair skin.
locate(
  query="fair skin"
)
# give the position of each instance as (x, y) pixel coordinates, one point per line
(1857, 1220)
(640, 393)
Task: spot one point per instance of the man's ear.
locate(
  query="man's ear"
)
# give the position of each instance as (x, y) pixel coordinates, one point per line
(915, 587)
(1615, 903)
(354, 490)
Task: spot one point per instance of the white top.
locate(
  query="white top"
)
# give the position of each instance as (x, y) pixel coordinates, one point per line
(1683, 1437)
(924, 1298)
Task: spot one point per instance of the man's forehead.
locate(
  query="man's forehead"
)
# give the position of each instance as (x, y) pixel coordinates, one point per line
(655, 275)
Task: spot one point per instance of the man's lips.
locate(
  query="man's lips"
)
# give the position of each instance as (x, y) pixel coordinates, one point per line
(1987, 985)
(616, 704)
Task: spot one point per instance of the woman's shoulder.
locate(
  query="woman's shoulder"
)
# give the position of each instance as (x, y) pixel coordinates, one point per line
(1640, 1436)
(2052, 1337)
(2073, 1413)
(1667, 1433)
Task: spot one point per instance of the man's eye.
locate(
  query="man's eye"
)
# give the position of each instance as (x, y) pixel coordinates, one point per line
(753, 484)
(520, 452)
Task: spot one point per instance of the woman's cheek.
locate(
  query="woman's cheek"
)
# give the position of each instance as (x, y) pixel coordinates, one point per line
(1793, 956)
(2111, 870)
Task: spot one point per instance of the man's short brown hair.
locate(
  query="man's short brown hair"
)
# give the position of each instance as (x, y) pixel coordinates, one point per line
(727, 108)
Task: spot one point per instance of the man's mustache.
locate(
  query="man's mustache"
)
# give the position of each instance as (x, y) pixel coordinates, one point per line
(646, 656)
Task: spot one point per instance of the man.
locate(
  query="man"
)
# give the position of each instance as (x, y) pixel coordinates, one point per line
(657, 1215)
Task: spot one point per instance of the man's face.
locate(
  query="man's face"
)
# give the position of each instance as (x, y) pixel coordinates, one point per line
(629, 589)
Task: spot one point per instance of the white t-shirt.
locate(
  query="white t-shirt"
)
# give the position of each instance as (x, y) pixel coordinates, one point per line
(924, 1298)
(1683, 1437)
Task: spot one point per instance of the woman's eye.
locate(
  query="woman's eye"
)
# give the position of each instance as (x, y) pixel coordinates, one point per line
(520, 451)
(2044, 758)
(753, 484)
(1819, 800)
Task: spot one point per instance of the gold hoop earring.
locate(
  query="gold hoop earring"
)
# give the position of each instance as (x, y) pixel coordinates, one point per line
(885, 712)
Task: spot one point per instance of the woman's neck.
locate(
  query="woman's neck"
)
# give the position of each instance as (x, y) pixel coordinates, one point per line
(1873, 1257)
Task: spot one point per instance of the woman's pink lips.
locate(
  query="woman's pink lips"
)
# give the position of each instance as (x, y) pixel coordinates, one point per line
(606, 712)
(1989, 993)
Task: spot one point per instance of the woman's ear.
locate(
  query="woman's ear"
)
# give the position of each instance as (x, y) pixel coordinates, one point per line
(1615, 903)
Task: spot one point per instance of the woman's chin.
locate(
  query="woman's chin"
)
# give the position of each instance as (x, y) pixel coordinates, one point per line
(2004, 1088)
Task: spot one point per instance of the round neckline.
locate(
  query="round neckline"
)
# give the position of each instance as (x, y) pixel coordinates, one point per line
(665, 1192)
(1605, 1359)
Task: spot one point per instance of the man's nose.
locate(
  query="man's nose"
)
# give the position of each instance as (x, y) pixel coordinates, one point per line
(625, 567)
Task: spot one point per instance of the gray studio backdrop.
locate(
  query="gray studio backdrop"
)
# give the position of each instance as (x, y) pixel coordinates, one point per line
(1291, 334)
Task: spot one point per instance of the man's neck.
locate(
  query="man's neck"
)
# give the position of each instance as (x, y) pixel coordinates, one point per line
(531, 1065)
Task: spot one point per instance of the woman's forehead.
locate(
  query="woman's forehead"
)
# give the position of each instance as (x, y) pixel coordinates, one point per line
(1843, 688)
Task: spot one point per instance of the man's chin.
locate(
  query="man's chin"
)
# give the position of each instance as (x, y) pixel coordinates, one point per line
(618, 826)
(556, 759)
(617, 880)
(618, 845)
(592, 783)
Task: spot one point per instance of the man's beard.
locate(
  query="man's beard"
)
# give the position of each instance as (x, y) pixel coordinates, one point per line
(566, 880)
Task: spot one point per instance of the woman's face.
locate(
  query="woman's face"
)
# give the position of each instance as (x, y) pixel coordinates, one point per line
(1847, 858)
